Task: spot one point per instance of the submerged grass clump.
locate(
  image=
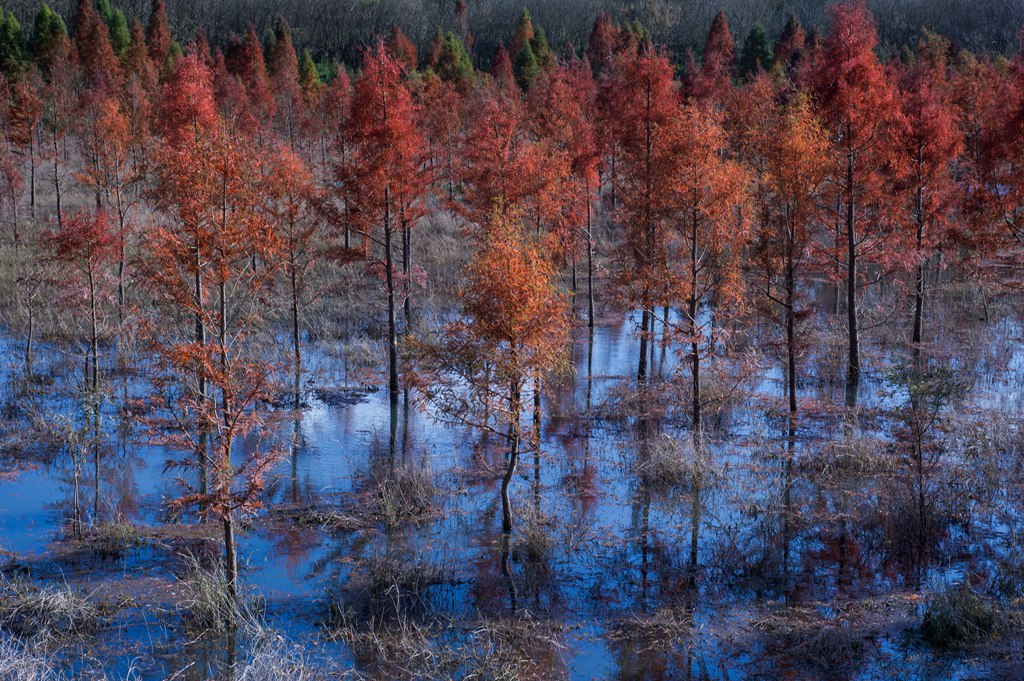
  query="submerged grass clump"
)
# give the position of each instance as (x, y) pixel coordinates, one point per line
(660, 632)
(205, 606)
(271, 657)
(394, 495)
(958, 617)
(385, 589)
(403, 493)
(509, 649)
(534, 539)
(52, 611)
(853, 455)
(21, 661)
(668, 463)
(804, 638)
(115, 538)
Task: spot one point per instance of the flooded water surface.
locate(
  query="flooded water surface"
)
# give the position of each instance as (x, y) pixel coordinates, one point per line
(779, 548)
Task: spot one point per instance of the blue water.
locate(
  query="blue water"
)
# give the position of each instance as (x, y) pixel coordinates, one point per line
(617, 550)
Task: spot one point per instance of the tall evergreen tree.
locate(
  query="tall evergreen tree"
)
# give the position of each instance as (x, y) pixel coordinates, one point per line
(12, 46)
(757, 53)
(49, 34)
(117, 27)
(453, 64)
(527, 67)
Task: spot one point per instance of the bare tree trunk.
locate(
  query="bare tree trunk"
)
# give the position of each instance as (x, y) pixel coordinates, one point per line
(93, 337)
(407, 272)
(56, 180)
(692, 311)
(641, 371)
(590, 263)
(31, 337)
(230, 552)
(121, 259)
(230, 557)
(32, 169)
(390, 276)
(791, 328)
(296, 340)
(515, 411)
(200, 338)
(76, 520)
(853, 365)
(920, 275)
(96, 463)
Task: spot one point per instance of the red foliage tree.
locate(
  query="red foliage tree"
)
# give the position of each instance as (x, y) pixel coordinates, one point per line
(442, 111)
(714, 81)
(708, 204)
(291, 201)
(158, 35)
(85, 246)
(137, 63)
(500, 163)
(786, 146)
(403, 49)
(23, 118)
(188, 107)
(602, 44)
(646, 104)
(501, 68)
(992, 118)
(105, 134)
(390, 181)
(284, 76)
(515, 327)
(99, 64)
(932, 142)
(564, 109)
(858, 105)
(789, 50)
(215, 237)
(245, 60)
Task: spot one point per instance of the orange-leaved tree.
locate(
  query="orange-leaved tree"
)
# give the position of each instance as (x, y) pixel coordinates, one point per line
(858, 105)
(500, 161)
(105, 140)
(390, 182)
(563, 105)
(787, 148)
(292, 198)
(214, 237)
(514, 327)
(931, 144)
(708, 202)
(645, 100)
(85, 246)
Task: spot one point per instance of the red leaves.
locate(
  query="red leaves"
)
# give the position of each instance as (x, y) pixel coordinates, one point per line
(158, 34)
(84, 247)
(644, 102)
(714, 82)
(100, 65)
(858, 103)
(511, 293)
(85, 240)
(515, 327)
(931, 143)
(188, 105)
(854, 95)
(390, 150)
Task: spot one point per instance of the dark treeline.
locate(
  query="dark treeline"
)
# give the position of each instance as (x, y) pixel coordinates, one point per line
(341, 29)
